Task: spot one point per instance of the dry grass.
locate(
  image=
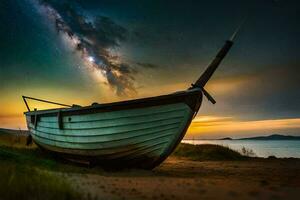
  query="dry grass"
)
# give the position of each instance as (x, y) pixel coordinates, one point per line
(14, 138)
(27, 182)
(28, 173)
(207, 152)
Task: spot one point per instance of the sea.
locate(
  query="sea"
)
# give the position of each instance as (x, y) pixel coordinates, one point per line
(260, 148)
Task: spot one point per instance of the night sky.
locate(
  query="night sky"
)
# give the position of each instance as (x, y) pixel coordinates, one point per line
(84, 51)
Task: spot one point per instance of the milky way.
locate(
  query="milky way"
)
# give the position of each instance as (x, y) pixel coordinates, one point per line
(95, 39)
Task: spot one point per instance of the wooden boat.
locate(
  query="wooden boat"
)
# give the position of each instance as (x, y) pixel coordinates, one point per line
(138, 133)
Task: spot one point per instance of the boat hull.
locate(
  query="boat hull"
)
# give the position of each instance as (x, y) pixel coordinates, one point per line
(135, 134)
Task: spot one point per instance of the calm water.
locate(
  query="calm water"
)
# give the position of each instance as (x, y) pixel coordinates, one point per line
(261, 148)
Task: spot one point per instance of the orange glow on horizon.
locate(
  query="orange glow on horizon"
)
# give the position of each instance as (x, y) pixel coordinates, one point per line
(13, 122)
(209, 126)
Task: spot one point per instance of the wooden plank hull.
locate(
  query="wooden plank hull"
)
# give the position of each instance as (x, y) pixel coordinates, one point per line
(130, 137)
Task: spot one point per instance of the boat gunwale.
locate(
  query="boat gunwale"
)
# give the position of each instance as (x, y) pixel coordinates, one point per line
(177, 97)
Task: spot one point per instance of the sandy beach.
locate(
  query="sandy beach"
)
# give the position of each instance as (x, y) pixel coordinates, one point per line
(178, 178)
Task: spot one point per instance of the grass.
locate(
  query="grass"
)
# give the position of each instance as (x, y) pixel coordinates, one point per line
(22, 182)
(207, 152)
(29, 173)
(25, 175)
(15, 139)
(13, 149)
(35, 157)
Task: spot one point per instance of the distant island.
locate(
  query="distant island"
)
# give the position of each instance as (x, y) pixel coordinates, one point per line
(273, 137)
(269, 137)
(226, 138)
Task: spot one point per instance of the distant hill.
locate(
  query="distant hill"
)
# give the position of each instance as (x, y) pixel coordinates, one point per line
(13, 138)
(226, 138)
(12, 131)
(269, 137)
(272, 137)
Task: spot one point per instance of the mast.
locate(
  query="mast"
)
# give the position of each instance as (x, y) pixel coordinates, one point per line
(201, 82)
(204, 78)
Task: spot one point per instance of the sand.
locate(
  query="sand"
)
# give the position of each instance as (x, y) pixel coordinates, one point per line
(179, 178)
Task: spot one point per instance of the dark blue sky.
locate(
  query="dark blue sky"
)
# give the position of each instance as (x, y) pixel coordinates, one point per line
(145, 48)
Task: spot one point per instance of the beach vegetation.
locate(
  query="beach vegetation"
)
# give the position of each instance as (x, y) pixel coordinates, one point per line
(207, 152)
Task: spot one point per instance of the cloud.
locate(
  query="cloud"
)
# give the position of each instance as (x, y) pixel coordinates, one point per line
(272, 90)
(95, 38)
(269, 92)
